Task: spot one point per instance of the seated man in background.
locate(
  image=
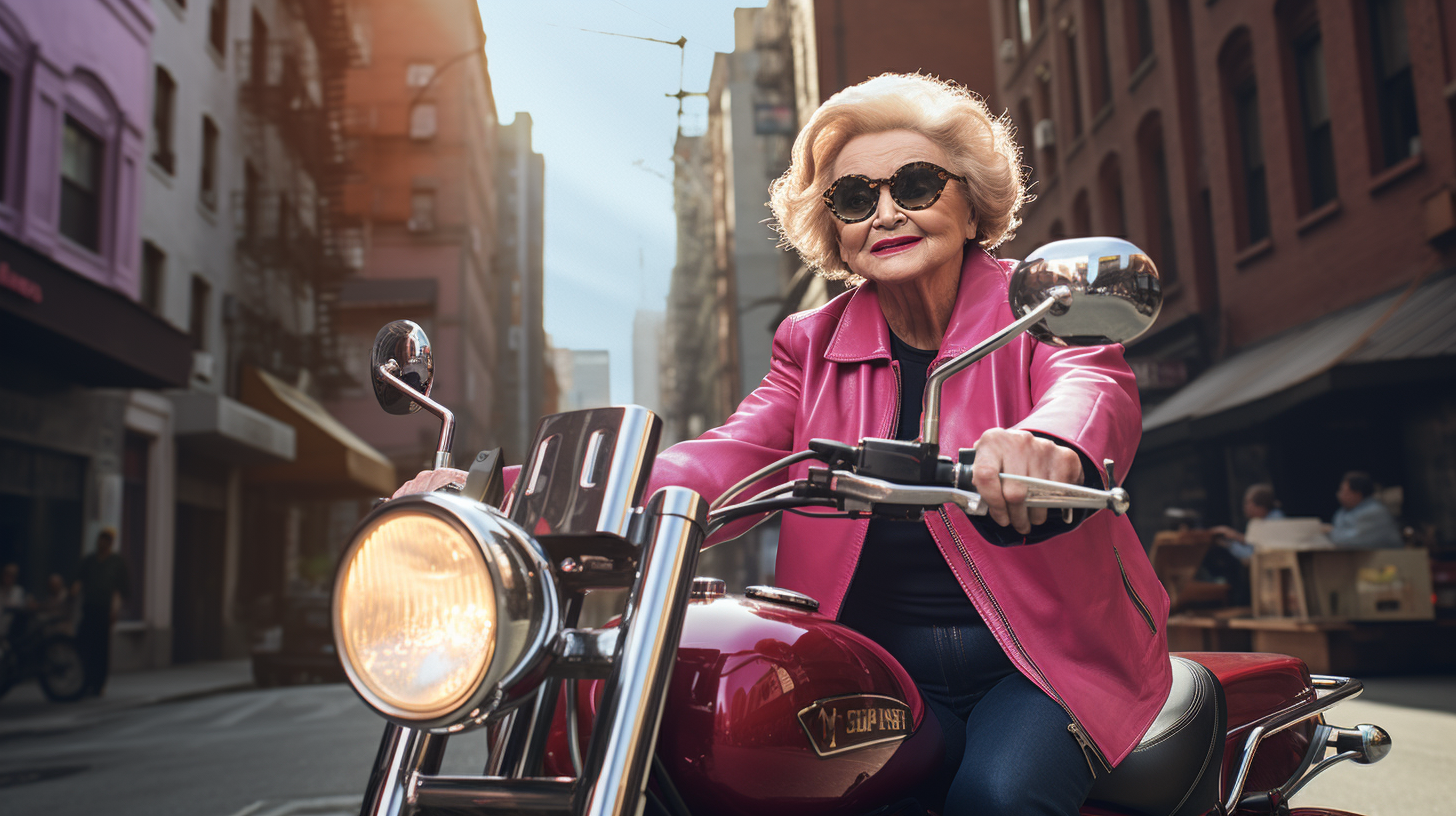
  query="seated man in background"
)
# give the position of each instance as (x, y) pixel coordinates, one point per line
(1362, 522)
(1259, 503)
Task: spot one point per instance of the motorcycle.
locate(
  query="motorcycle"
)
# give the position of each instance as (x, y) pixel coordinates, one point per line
(454, 612)
(37, 645)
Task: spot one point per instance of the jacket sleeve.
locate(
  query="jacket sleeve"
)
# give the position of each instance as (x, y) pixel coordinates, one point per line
(759, 433)
(1086, 398)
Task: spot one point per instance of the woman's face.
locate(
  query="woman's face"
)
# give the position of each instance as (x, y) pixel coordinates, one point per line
(895, 245)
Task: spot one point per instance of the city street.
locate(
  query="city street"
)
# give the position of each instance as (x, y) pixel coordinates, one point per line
(267, 752)
(306, 750)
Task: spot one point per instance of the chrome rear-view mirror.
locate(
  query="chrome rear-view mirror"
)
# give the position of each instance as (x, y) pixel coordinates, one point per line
(402, 349)
(1114, 291)
(402, 369)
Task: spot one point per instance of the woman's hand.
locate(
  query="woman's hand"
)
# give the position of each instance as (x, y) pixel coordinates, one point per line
(430, 480)
(1019, 453)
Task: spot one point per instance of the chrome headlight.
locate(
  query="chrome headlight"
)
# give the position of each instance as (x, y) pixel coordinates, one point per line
(441, 607)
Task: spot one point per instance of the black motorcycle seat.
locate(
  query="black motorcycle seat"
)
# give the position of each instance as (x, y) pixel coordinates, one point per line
(1175, 768)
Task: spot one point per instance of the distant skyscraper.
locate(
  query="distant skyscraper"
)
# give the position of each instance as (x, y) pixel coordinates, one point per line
(583, 377)
(648, 339)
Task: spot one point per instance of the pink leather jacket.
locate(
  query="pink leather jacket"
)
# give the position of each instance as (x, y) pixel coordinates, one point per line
(1081, 615)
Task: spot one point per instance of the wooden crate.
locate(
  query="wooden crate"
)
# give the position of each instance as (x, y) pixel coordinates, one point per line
(1277, 578)
(1354, 585)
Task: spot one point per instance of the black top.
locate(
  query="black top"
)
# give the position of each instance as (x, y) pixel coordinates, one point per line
(902, 577)
(101, 578)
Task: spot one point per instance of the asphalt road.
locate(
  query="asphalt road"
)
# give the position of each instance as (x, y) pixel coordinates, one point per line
(299, 750)
(307, 750)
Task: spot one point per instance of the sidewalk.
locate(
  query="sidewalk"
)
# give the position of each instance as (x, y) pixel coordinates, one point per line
(26, 711)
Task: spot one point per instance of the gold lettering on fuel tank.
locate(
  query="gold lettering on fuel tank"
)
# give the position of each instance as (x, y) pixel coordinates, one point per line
(868, 719)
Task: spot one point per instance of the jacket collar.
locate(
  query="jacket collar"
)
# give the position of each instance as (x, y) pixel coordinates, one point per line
(863, 334)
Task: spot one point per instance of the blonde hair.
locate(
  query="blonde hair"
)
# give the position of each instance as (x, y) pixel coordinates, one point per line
(980, 147)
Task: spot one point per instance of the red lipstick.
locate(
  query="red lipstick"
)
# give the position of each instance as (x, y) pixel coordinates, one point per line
(891, 245)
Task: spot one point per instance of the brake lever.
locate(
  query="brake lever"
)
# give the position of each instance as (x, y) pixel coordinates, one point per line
(1050, 494)
(868, 491)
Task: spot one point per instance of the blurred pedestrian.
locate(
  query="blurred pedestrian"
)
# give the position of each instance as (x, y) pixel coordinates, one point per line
(1229, 562)
(102, 584)
(1259, 503)
(12, 597)
(1362, 522)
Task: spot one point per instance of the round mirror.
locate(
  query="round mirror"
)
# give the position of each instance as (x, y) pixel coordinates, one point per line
(404, 344)
(1116, 294)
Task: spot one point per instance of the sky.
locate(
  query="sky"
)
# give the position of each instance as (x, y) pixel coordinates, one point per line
(603, 123)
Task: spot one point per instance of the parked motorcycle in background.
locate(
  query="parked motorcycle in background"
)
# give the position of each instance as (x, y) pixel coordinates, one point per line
(38, 645)
(459, 612)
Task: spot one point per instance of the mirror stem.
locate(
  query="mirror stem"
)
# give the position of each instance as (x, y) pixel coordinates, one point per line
(930, 427)
(447, 419)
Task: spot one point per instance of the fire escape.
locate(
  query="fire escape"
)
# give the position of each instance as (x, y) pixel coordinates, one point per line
(292, 243)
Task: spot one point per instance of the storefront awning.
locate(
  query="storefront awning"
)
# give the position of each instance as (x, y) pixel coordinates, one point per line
(331, 460)
(82, 332)
(1399, 337)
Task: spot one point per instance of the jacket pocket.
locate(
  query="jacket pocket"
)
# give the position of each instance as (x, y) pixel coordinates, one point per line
(1137, 601)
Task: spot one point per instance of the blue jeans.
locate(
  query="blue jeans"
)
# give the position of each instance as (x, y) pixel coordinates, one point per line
(1007, 747)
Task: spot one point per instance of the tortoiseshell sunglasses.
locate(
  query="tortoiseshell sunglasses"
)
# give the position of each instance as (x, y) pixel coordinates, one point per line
(916, 186)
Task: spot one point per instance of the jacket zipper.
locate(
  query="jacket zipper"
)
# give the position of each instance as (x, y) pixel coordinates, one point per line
(1089, 748)
(1132, 593)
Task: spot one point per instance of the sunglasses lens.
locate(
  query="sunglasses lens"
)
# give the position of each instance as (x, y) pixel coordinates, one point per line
(854, 198)
(917, 187)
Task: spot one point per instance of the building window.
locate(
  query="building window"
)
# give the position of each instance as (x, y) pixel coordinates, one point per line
(208, 188)
(258, 52)
(1081, 215)
(154, 270)
(1044, 138)
(1074, 74)
(217, 26)
(1394, 93)
(197, 311)
(422, 121)
(1158, 195)
(422, 211)
(81, 157)
(1026, 123)
(164, 103)
(1313, 148)
(1095, 16)
(1023, 21)
(1114, 208)
(1011, 46)
(1246, 146)
(418, 74)
(1139, 31)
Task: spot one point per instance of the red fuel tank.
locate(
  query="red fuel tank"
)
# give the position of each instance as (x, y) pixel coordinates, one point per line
(776, 709)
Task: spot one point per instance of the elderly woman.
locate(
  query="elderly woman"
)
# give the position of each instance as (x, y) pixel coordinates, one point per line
(1042, 665)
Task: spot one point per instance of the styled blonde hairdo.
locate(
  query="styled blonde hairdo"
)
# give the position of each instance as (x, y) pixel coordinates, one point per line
(980, 147)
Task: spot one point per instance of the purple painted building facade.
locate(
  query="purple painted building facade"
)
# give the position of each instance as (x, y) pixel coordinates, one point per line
(84, 432)
(75, 76)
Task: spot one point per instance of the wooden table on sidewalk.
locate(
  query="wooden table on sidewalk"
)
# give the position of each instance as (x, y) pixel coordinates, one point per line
(1326, 646)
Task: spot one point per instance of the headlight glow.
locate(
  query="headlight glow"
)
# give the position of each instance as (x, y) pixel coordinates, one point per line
(417, 614)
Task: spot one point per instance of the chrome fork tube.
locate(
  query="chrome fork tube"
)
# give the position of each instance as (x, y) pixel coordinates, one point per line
(618, 757)
(404, 753)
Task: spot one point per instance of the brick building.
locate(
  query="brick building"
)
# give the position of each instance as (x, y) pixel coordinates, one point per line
(421, 207)
(857, 39)
(1290, 166)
